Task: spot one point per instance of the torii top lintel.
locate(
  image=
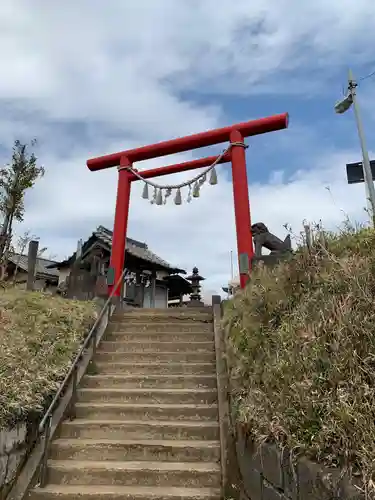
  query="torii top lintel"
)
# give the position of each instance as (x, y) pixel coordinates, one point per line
(181, 144)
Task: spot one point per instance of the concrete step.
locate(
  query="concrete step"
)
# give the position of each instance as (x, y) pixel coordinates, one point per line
(174, 336)
(136, 429)
(160, 318)
(155, 368)
(185, 357)
(161, 327)
(164, 315)
(110, 492)
(156, 346)
(192, 474)
(172, 310)
(150, 381)
(153, 396)
(131, 411)
(135, 450)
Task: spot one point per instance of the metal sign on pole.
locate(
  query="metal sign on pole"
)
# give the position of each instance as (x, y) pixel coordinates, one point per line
(355, 174)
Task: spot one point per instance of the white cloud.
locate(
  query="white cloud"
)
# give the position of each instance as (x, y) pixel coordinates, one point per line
(120, 71)
(117, 61)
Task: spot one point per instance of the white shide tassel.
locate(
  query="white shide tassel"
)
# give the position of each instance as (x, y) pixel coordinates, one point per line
(196, 190)
(159, 198)
(178, 199)
(213, 177)
(145, 192)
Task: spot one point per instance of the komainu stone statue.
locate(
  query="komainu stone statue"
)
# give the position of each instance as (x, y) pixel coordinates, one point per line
(264, 239)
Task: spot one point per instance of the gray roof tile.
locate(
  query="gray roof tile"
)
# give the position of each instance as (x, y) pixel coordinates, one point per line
(134, 247)
(41, 265)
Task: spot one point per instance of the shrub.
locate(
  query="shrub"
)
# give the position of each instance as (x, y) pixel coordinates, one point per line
(301, 341)
(39, 337)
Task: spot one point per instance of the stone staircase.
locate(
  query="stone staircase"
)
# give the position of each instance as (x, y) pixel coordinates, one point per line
(146, 425)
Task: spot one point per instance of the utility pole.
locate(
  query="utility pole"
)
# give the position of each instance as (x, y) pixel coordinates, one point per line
(341, 107)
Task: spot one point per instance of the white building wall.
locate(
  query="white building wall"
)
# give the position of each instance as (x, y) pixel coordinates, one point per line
(147, 297)
(161, 297)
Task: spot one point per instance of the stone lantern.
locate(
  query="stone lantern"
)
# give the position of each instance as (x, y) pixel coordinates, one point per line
(195, 297)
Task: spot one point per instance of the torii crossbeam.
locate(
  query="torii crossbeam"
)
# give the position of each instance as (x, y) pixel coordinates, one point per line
(235, 134)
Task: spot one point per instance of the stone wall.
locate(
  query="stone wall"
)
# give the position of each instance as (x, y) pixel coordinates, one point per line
(14, 447)
(268, 473)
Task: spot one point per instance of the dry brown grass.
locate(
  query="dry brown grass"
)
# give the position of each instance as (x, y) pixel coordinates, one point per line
(302, 353)
(39, 336)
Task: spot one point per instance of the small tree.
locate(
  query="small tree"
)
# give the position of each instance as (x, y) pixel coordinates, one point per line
(15, 179)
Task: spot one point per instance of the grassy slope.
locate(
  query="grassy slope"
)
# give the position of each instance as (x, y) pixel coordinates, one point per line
(302, 352)
(39, 336)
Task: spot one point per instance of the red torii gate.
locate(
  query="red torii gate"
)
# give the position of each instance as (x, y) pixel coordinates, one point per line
(235, 134)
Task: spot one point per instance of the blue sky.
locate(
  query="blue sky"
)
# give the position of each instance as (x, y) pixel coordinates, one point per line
(88, 78)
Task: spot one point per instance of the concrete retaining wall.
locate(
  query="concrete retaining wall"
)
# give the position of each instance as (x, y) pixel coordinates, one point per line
(15, 445)
(269, 474)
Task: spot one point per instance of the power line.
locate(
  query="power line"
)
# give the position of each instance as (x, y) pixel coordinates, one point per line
(360, 80)
(368, 76)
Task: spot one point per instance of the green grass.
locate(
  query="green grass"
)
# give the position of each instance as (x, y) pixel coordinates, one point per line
(39, 337)
(302, 352)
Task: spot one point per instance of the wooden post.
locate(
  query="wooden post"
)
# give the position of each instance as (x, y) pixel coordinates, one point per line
(75, 285)
(153, 289)
(79, 251)
(309, 238)
(142, 280)
(31, 264)
(322, 237)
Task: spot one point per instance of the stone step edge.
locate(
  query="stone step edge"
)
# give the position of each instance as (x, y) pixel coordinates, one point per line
(149, 331)
(136, 390)
(178, 321)
(202, 318)
(157, 342)
(169, 312)
(154, 333)
(154, 363)
(150, 376)
(170, 443)
(208, 346)
(163, 406)
(156, 353)
(130, 492)
(134, 465)
(150, 423)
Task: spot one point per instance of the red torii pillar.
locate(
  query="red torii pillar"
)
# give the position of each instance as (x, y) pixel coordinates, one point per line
(235, 134)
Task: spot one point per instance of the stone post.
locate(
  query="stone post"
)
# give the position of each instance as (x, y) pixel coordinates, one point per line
(31, 264)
